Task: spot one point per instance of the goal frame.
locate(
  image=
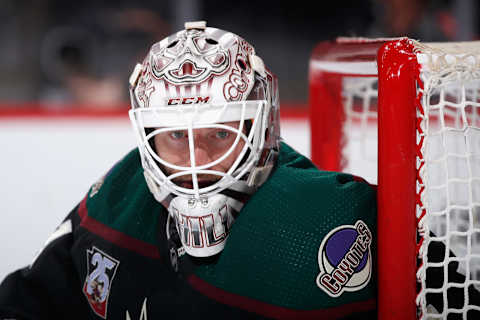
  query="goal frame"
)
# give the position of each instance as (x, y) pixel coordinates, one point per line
(397, 177)
(397, 73)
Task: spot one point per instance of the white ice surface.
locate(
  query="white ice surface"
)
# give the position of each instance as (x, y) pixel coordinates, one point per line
(47, 165)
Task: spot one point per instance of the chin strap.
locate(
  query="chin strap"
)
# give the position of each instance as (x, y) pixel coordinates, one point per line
(260, 174)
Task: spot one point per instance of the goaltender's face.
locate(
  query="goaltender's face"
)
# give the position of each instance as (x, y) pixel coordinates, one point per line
(210, 144)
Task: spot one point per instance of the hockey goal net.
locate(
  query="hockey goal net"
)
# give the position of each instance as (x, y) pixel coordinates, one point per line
(423, 100)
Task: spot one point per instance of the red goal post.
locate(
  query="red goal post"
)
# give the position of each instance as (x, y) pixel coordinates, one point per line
(424, 98)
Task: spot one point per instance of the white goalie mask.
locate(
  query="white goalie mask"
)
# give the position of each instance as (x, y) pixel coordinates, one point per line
(205, 112)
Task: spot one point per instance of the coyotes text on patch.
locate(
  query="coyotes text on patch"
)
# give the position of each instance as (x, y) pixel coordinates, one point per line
(345, 259)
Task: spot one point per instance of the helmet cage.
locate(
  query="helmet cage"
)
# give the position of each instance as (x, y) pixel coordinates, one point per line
(198, 116)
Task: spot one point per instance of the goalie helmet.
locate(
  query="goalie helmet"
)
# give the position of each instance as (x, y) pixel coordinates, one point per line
(197, 79)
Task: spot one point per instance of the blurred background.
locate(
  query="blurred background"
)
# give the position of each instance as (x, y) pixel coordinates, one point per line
(81, 53)
(64, 70)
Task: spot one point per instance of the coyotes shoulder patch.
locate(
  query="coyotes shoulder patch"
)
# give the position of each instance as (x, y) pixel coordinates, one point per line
(345, 259)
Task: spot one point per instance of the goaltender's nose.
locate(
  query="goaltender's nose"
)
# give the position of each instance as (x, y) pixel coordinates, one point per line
(202, 154)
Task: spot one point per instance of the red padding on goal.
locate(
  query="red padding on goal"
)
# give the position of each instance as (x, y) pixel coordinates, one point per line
(396, 181)
(327, 117)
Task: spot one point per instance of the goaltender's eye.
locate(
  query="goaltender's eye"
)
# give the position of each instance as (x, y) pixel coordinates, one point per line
(222, 134)
(178, 135)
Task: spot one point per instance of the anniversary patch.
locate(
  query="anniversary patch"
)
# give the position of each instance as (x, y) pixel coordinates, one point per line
(101, 272)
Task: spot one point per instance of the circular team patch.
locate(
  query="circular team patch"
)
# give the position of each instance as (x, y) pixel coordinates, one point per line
(345, 259)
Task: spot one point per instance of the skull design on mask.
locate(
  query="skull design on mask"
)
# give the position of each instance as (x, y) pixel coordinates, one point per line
(191, 58)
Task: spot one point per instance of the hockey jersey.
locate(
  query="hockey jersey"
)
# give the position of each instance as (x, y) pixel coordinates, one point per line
(302, 247)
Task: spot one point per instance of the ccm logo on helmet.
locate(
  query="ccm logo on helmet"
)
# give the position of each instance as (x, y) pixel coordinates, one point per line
(191, 100)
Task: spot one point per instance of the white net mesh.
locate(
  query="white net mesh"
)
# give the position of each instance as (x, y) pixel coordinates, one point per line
(449, 271)
(449, 184)
(359, 152)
